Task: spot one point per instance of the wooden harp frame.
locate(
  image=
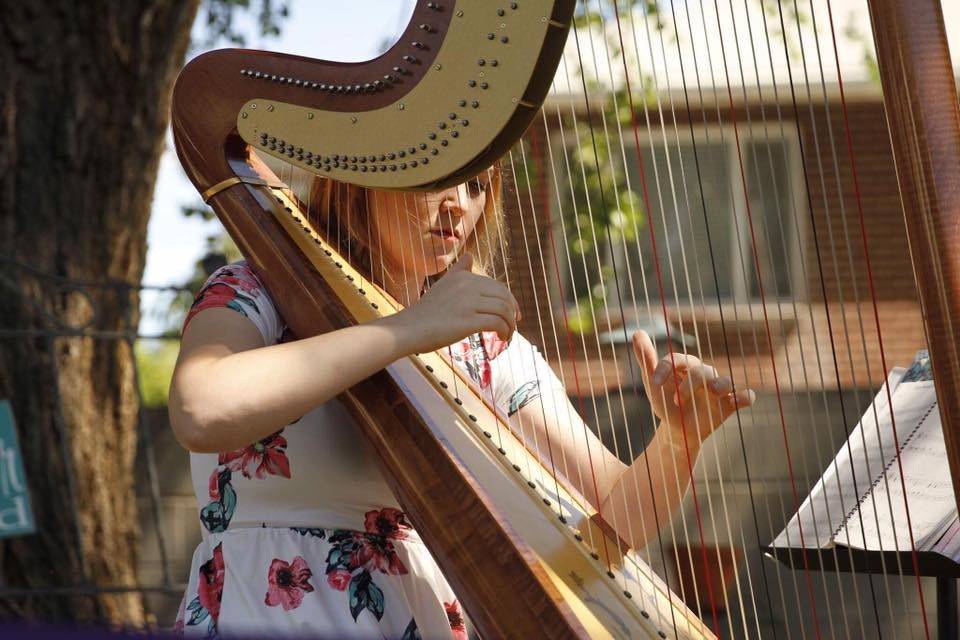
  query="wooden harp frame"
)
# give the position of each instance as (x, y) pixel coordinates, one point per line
(230, 101)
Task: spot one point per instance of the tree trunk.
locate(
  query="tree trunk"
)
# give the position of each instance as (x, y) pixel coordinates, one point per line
(84, 105)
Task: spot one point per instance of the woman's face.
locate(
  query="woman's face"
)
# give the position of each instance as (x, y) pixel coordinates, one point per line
(421, 234)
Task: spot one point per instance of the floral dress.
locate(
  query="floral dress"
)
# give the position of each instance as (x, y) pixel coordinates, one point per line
(301, 534)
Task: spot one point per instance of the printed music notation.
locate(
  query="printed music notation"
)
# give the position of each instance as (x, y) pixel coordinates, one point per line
(863, 498)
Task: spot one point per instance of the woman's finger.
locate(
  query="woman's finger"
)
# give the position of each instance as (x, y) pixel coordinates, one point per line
(646, 355)
(699, 378)
(676, 363)
(741, 399)
(494, 322)
(499, 307)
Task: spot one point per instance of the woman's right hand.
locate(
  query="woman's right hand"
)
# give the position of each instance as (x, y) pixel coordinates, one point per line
(459, 304)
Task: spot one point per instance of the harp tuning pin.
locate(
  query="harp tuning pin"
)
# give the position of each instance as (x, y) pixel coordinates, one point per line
(433, 5)
(513, 5)
(418, 45)
(462, 103)
(432, 135)
(382, 157)
(372, 158)
(501, 12)
(297, 82)
(398, 70)
(452, 116)
(410, 59)
(481, 62)
(413, 163)
(444, 143)
(412, 149)
(465, 122)
(504, 39)
(484, 85)
(423, 146)
(402, 154)
(454, 134)
(442, 125)
(472, 83)
(475, 104)
(391, 156)
(434, 151)
(427, 28)
(491, 36)
(494, 63)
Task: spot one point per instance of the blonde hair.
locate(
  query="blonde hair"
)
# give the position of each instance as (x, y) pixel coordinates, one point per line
(342, 212)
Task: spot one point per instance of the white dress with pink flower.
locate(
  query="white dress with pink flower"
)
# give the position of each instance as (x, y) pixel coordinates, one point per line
(301, 534)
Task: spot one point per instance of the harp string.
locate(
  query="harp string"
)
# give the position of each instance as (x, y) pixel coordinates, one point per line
(744, 268)
(569, 339)
(602, 285)
(673, 195)
(762, 295)
(536, 305)
(697, 259)
(501, 244)
(619, 296)
(873, 294)
(805, 279)
(616, 195)
(840, 288)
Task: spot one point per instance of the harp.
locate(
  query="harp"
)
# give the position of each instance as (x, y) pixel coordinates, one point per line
(465, 81)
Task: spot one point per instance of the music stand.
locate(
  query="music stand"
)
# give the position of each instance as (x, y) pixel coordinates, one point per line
(929, 565)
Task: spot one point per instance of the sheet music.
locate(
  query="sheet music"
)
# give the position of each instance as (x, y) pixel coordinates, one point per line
(859, 500)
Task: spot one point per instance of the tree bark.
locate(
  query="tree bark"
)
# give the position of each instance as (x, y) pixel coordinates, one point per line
(84, 106)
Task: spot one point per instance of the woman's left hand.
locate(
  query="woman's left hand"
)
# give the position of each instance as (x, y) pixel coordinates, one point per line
(684, 392)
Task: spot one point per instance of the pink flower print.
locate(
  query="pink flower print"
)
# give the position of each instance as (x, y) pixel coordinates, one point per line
(268, 456)
(378, 553)
(469, 352)
(339, 579)
(455, 617)
(288, 582)
(210, 587)
(492, 344)
(388, 522)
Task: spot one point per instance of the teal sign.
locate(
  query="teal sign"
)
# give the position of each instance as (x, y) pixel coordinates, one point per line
(16, 517)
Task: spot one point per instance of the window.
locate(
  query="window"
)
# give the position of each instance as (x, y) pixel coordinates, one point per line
(701, 257)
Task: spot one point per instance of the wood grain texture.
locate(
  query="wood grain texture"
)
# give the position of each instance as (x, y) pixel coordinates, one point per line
(920, 97)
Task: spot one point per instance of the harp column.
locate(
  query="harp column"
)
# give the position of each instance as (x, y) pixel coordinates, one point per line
(920, 97)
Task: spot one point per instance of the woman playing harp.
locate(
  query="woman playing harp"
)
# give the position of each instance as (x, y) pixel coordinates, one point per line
(301, 532)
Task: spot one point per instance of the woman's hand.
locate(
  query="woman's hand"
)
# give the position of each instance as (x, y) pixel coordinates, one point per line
(686, 393)
(459, 304)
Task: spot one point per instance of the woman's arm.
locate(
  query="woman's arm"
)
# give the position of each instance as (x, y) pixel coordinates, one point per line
(686, 395)
(229, 390)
